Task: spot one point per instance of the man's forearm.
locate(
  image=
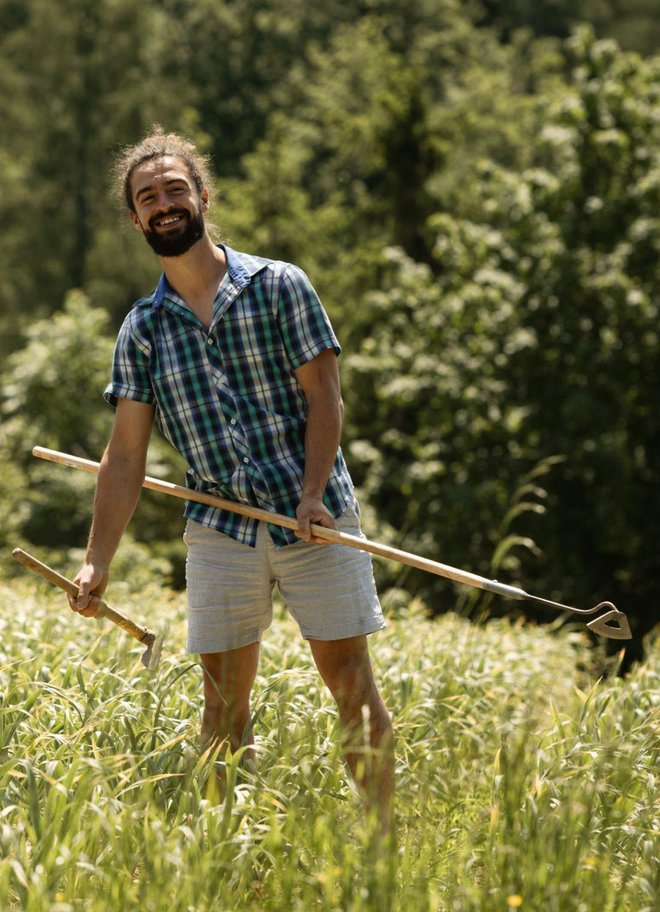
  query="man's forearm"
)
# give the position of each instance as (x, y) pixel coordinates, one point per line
(319, 379)
(322, 437)
(117, 493)
(120, 479)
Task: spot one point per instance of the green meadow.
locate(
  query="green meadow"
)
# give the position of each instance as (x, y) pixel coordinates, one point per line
(527, 772)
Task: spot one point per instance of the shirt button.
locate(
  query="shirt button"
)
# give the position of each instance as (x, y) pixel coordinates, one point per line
(245, 460)
(209, 341)
(233, 421)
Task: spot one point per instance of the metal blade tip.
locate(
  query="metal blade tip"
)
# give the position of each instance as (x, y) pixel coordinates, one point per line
(601, 625)
(151, 655)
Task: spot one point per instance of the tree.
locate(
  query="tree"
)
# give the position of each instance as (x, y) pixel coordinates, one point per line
(633, 24)
(532, 333)
(393, 114)
(95, 81)
(50, 395)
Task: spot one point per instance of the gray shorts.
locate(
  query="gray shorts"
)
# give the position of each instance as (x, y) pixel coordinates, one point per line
(329, 589)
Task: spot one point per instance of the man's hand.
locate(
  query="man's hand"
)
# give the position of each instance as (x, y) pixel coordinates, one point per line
(92, 582)
(313, 510)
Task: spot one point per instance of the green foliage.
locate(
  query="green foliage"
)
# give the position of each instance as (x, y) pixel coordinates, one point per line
(633, 24)
(532, 332)
(51, 397)
(585, 235)
(430, 375)
(43, 404)
(518, 776)
(388, 118)
(78, 80)
(63, 356)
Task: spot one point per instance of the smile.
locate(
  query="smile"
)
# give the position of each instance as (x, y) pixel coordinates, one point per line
(167, 221)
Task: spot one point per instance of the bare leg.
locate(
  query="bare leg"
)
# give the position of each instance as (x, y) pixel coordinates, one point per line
(345, 667)
(228, 680)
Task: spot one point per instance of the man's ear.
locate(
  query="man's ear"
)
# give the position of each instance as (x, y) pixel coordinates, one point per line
(205, 201)
(135, 220)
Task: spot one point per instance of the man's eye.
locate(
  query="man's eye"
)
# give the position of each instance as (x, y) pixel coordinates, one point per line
(146, 199)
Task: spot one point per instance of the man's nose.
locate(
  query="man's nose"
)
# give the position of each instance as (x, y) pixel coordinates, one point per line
(163, 201)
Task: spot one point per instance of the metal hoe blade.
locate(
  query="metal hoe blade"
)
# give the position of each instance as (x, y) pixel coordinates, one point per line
(151, 655)
(601, 625)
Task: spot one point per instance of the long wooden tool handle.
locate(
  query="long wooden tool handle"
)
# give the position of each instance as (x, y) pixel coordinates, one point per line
(329, 535)
(104, 610)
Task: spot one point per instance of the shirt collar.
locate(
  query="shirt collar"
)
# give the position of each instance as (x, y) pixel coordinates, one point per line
(240, 269)
(238, 272)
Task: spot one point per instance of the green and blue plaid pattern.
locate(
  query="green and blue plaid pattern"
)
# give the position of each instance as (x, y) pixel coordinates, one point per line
(227, 398)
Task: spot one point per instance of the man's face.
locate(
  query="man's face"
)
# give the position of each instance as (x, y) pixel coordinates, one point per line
(168, 208)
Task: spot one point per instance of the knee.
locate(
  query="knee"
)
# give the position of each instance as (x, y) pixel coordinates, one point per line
(348, 678)
(357, 696)
(345, 667)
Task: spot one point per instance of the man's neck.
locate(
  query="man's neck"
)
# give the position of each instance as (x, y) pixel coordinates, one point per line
(198, 270)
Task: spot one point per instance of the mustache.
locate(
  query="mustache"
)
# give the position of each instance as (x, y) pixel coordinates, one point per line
(155, 218)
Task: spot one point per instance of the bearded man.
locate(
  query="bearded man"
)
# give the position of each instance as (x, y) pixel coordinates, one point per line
(235, 358)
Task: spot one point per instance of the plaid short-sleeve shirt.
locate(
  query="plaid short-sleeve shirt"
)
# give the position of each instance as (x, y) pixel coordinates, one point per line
(227, 398)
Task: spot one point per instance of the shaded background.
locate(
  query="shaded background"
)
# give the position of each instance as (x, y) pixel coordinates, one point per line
(474, 190)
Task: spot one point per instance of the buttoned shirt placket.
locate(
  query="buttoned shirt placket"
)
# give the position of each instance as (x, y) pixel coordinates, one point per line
(230, 288)
(241, 484)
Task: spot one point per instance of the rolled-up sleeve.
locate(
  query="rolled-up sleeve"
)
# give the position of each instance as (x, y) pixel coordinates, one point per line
(303, 322)
(130, 369)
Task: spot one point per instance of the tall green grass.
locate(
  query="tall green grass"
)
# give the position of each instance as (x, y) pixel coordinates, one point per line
(524, 781)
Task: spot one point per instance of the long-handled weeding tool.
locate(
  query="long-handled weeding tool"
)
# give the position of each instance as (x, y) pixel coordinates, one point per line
(153, 642)
(610, 623)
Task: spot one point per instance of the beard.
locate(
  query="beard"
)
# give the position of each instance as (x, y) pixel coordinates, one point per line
(178, 241)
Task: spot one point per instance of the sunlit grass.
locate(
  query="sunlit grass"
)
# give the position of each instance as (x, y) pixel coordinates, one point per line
(523, 780)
